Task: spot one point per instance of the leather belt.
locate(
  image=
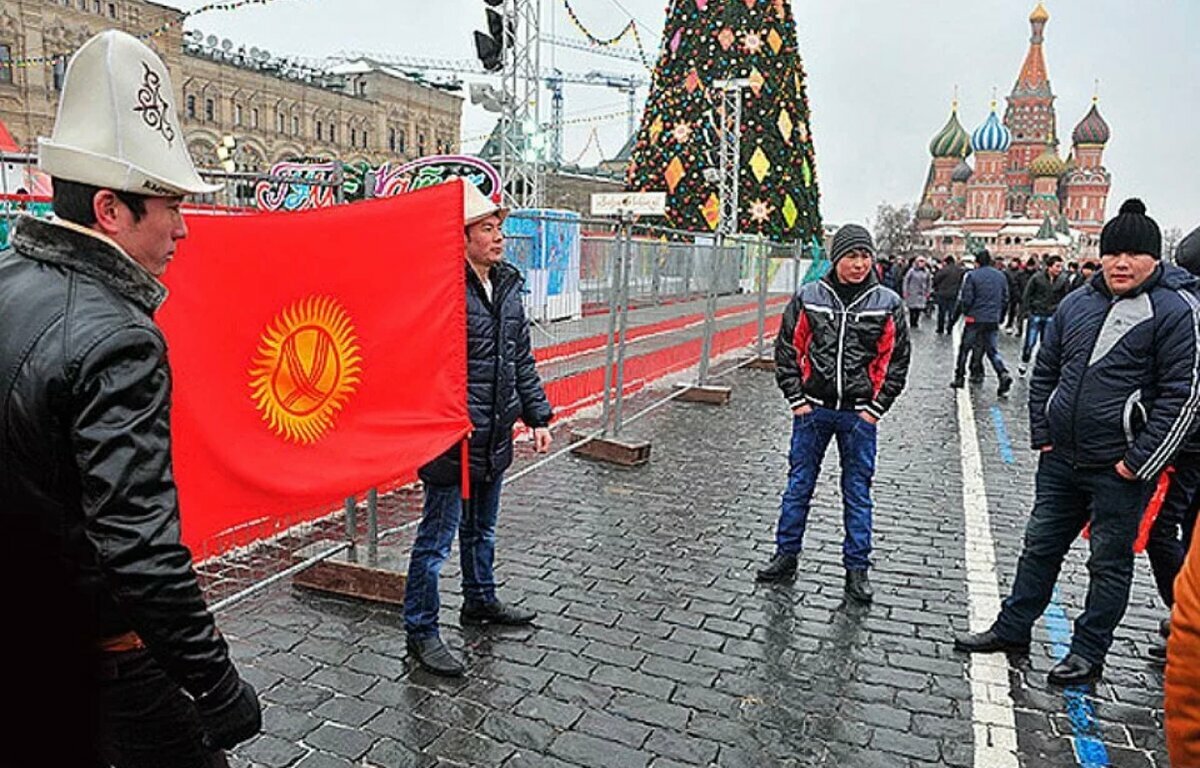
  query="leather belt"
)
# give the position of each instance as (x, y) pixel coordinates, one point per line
(121, 643)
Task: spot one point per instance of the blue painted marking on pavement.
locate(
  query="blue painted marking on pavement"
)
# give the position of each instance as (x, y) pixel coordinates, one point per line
(1006, 451)
(1089, 749)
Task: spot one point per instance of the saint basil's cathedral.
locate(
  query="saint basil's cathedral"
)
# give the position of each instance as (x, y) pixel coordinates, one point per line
(1020, 198)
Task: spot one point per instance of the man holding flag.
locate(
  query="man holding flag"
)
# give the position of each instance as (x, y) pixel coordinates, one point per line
(85, 438)
(502, 385)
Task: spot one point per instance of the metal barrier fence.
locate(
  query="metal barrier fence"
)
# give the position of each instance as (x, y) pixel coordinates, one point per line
(650, 310)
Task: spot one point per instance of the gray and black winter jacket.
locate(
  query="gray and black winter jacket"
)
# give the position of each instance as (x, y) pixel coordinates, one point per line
(1118, 377)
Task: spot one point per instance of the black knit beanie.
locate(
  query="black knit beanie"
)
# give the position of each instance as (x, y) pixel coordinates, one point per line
(850, 237)
(1187, 254)
(1132, 231)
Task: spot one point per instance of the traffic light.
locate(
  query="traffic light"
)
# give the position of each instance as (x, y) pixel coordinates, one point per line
(490, 45)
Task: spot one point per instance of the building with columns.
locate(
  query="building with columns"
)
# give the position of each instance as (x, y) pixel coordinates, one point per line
(274, 110)
(1018, 196)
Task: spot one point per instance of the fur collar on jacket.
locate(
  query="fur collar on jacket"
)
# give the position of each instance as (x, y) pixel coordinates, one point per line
(57, 243)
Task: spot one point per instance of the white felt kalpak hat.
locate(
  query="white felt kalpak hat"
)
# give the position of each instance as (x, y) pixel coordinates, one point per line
(117, 126)
(477, 206)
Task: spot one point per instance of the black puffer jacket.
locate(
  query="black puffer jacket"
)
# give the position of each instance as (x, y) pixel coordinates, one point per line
(502, 379)
(1118, 378)
(849, 355)
(85, 442)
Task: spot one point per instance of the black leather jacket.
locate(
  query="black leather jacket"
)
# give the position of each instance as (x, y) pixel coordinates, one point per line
(85, 442)
(502, 379)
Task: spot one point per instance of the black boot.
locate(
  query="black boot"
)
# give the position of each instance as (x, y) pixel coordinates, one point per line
(957, 383)
(858, 587)
(1074, 670)
(1006, 382)
(435, 656)
(987, 642)
(480, 614)
(781, 568)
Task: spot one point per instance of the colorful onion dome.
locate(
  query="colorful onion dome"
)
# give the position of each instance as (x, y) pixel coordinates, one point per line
(951, 141)
(1048, 164)
(1092, 129)
(992, 136)
(962, 172)
(928, 212)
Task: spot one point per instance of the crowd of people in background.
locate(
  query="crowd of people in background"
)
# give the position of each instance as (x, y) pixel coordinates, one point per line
(1021, 304)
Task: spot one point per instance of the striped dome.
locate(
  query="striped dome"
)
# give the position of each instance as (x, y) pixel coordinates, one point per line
(928, 212)
(1092, 129)
(951, 141)
(962, 172)
(992, 136)
(1048, 165)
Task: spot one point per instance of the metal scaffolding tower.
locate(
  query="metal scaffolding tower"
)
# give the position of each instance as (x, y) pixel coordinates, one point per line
(521, 141)
(729, 156)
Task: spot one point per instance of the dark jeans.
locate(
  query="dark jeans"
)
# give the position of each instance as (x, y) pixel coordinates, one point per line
(1065, 500)
(1033, 331)
(982, 337)
(811, 435)
(443, 517)
(1172, 532)
(947, 314)
(914, 316)
(147, 719)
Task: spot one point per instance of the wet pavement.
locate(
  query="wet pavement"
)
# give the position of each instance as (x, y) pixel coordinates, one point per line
(655, 647)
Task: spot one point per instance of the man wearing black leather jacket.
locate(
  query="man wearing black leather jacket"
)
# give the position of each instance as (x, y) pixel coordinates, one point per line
(85, 439)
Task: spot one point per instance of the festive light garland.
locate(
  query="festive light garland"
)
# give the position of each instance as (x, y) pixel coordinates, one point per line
(576, 121)
(229, 5)
(630, 28)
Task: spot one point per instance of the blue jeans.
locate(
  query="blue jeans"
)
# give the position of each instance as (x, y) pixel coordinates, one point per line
(1066, 498)
(1033, 331)
(811, 434)
(443, 517)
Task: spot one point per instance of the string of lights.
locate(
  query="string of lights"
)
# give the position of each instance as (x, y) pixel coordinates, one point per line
(576, 121)
(228, 5)
(629, 29)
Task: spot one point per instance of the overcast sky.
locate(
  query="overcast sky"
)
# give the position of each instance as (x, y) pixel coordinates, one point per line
(882, 74)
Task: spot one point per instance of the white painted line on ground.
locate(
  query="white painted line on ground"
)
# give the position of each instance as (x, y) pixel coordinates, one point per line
(991, 694)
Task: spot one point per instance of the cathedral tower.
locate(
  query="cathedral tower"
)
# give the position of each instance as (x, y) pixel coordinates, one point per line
(1030, 115)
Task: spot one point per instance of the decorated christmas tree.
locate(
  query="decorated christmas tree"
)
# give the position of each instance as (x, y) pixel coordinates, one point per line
(712, 40)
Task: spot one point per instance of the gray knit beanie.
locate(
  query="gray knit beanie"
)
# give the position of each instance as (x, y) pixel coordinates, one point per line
(851, 237)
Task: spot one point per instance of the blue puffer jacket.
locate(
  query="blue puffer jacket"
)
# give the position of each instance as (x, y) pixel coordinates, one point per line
(984, 295)
(502, 380)
(1118, 378)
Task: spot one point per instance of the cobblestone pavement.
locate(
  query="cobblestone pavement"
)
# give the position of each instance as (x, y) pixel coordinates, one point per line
(654, 646)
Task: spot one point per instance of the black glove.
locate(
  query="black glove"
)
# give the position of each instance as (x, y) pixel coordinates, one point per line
(229, 711)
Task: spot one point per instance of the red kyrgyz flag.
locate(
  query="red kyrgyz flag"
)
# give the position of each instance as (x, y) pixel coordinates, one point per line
(314, 355)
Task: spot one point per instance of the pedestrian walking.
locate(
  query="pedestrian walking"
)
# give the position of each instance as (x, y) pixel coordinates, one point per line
(982, 302)
(1084, 275)
(502, 386)
(841, 361)
(85, 443)
(1113, 397)
(947, 282)
(1015, 273)
(1044, 290)
(918, 285)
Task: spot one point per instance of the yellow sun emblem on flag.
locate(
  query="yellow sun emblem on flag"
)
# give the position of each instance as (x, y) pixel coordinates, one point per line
(307, 366)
